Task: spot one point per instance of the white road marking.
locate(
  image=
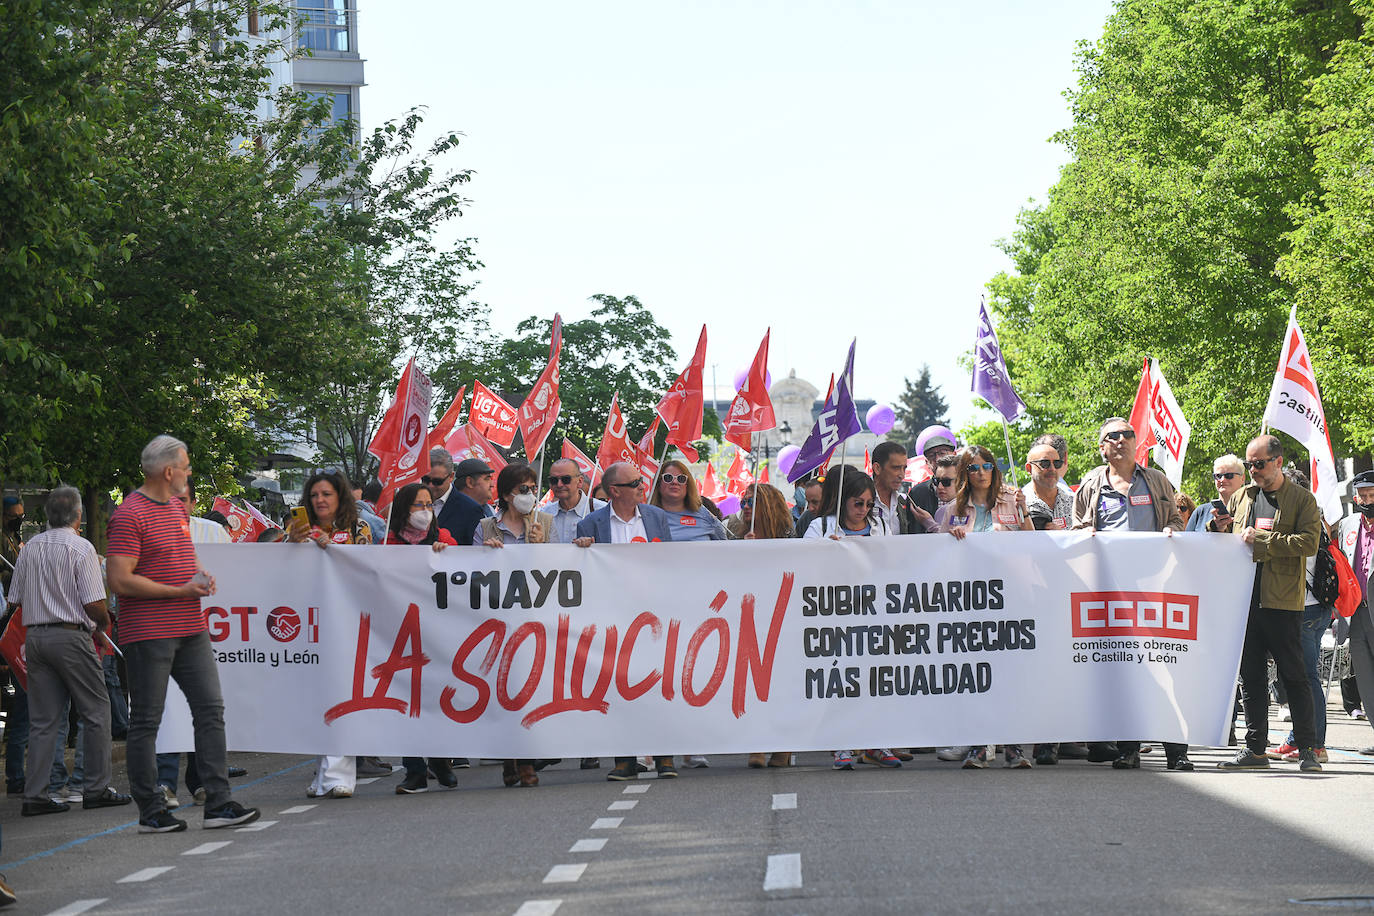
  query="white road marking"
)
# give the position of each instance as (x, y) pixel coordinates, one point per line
(299, 809)
(622, 805)
(78, 906)
(635, 790)
(784, 801)
(254, 827)
(594, 845)
(607, 823)
(565, 874)
(368, 781)
(145, 874)
(784, 872)
(539, 908)
(204, 849)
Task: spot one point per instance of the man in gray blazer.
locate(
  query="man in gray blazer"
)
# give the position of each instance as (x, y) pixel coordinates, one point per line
(627, 519)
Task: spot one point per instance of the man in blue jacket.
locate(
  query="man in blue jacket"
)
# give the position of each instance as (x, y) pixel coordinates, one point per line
(461, 494)
(627, 519)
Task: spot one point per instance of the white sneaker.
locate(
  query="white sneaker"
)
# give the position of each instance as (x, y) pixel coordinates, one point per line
(199, 796)
(70, 794)
(169, 798)
(955, 753)
(339, 792)
(698, 761)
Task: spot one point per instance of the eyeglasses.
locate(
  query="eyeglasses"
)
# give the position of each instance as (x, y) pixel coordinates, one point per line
(524, 489)
(1226, 475)
(632, 485)
(1258, 464)
(861, 503)
(747, 501)
(1119, 434)
(944, 481)
(1045, 464)
(674, 478)
(985, 466)
(434, 481)
(561, 480)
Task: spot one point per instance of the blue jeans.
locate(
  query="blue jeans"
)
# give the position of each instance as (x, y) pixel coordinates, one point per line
(1315, 619)
(16, 740)
(168, 766)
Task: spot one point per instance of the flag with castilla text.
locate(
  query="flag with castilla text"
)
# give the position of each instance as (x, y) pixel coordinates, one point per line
(1295, 407)
(492, 416)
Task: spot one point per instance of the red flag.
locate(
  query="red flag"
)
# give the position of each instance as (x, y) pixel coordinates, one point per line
(243, 525)
(12, 648)
(752, 409)
(587, 466)
(710, 487)
(648, 464)
(540, 408)
(682, 405)
(868, 464)
(493, 417)
(615, 441)
(467, 442)
(400, 440)
(737, 478)
(763, 478)
(1140, 418)
(447, 423)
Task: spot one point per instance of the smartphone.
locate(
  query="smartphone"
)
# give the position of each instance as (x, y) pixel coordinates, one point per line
(1219, 507)
(299, 514)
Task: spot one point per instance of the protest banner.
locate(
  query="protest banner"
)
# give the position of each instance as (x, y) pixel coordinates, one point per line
(560, 651)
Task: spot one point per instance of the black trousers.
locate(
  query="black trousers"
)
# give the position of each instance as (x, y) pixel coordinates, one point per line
(1278, 633)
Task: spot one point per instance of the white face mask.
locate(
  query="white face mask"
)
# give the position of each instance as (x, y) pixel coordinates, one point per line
(421, 518)
(523, 503)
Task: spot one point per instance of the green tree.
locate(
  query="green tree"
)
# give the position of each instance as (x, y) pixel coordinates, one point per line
(920, 405)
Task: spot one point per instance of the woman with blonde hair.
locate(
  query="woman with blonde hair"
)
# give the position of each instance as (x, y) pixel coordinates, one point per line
(676, 493)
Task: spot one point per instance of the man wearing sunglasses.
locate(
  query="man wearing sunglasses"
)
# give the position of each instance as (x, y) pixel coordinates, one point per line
(1044, 494)
(934, 443)
(1282, 524)
(1228, 473)
(570, 505)
(1123, 496)
(461, 495)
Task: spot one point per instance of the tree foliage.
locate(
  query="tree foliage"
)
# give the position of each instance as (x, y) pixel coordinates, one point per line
(1197, 207)
(919, 405)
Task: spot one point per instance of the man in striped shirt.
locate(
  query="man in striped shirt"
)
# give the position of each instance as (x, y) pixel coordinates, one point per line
(57, 583)
(152, 567)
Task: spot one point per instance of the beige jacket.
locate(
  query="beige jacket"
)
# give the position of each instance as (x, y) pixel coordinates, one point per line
(1162, 496)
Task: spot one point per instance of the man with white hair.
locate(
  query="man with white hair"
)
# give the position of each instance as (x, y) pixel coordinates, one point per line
(151, 564)
(1357, 541)
(1228, 473)
(570, 504)
(58, 584)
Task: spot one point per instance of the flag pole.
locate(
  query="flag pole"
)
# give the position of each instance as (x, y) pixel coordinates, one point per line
(539, 471)
(658, 471)
(753, 513)
(1011, 462)
(839, 488)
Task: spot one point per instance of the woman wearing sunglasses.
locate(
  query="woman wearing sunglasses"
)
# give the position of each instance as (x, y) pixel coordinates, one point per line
(688, 519)
(981, 501)
(516, 522)
(857, 518)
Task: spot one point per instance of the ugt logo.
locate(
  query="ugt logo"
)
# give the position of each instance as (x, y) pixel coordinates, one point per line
(284, 624)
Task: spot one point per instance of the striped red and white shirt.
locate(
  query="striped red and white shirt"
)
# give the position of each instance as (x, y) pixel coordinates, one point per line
(56, 575)
(158, 536)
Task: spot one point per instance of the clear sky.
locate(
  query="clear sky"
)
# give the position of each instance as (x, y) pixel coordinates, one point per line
(830, 169)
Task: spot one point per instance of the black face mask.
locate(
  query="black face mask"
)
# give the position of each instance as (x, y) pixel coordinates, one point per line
(1366, 511)
(14, 524)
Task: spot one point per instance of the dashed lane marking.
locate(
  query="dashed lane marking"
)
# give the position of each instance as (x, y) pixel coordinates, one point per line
(784, 872)
(565, 874)
(539, 908)
(592, 845)
(784, 801)
(635, 790)
(254, 827)
(204, 849)
(78, 906)
(145, 874)
(368, 781)
(607, 823)
(299, 809)
(627, 805)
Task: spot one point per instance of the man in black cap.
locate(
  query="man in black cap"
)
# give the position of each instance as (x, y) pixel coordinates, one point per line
(465, 499)
(1357, 540)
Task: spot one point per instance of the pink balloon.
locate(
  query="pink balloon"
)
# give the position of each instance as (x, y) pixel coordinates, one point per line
(881, 418)
(741, 375)
(787, 456)
(729, 505)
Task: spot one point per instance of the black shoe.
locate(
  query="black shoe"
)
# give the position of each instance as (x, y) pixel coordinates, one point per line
(1126, 762)
(1182, 764)
(162, 822)
(664, 767)
(548, 762)
(1073, 750)
(1245, 760)
(460, 763)
(1046, 756)
(230, 814)
(444, 773)
(1367, 751)
(236, 772)
(1308, 762)
(623, 772)
(35, 807)
(371, 766)
(590, 763)
(414, 785)
(107, 799)
(1102, 751)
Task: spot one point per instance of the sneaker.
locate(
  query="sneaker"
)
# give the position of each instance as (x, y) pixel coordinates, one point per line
(976, 758)
(1357, 712)
(1126, 762)
(169, 798)
(1180, 763)
(1321, 755)
(903, 754)
(1295, 755)
(69, 794)
(198, 796)
(1015, 759)
(844, 760)
(1047, 756)
(1102, 751)
(956, 752)
(1285, 750)
(623, 772)
(590, 763)
(413, 785)
(1309, 762)
(1073, 750)
(460, 763)
(7, 894)
(235, 772)
(161, 822)
(336, 792)
(444, 775)
(230, 814)
(698, 761)
(664, 767)
(371, 766)
(879, 757)
(1245, 760)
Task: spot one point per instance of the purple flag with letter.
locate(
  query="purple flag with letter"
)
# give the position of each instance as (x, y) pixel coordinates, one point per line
(990, 379)
(838, 421)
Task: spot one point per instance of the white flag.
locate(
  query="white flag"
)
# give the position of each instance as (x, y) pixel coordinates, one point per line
(1171, 430)
(1295, 407)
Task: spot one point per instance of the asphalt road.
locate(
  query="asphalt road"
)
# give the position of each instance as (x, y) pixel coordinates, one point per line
(929, 837)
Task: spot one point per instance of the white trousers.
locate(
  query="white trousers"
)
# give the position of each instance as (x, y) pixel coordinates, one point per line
(333, 772)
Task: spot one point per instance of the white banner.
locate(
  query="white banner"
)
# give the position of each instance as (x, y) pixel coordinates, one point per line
(724, 647)
(1295, 407)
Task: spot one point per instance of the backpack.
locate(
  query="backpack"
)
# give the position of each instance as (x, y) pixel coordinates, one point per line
(1348, 600)
(1326, 581)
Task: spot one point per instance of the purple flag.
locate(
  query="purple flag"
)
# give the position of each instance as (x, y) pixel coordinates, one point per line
(990, 379)
(838, 421)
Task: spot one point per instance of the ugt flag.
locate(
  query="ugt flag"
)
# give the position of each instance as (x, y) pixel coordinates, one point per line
(491, 416)
(1295, 406)
(752, 409)
(837, 422)
(990, 379)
